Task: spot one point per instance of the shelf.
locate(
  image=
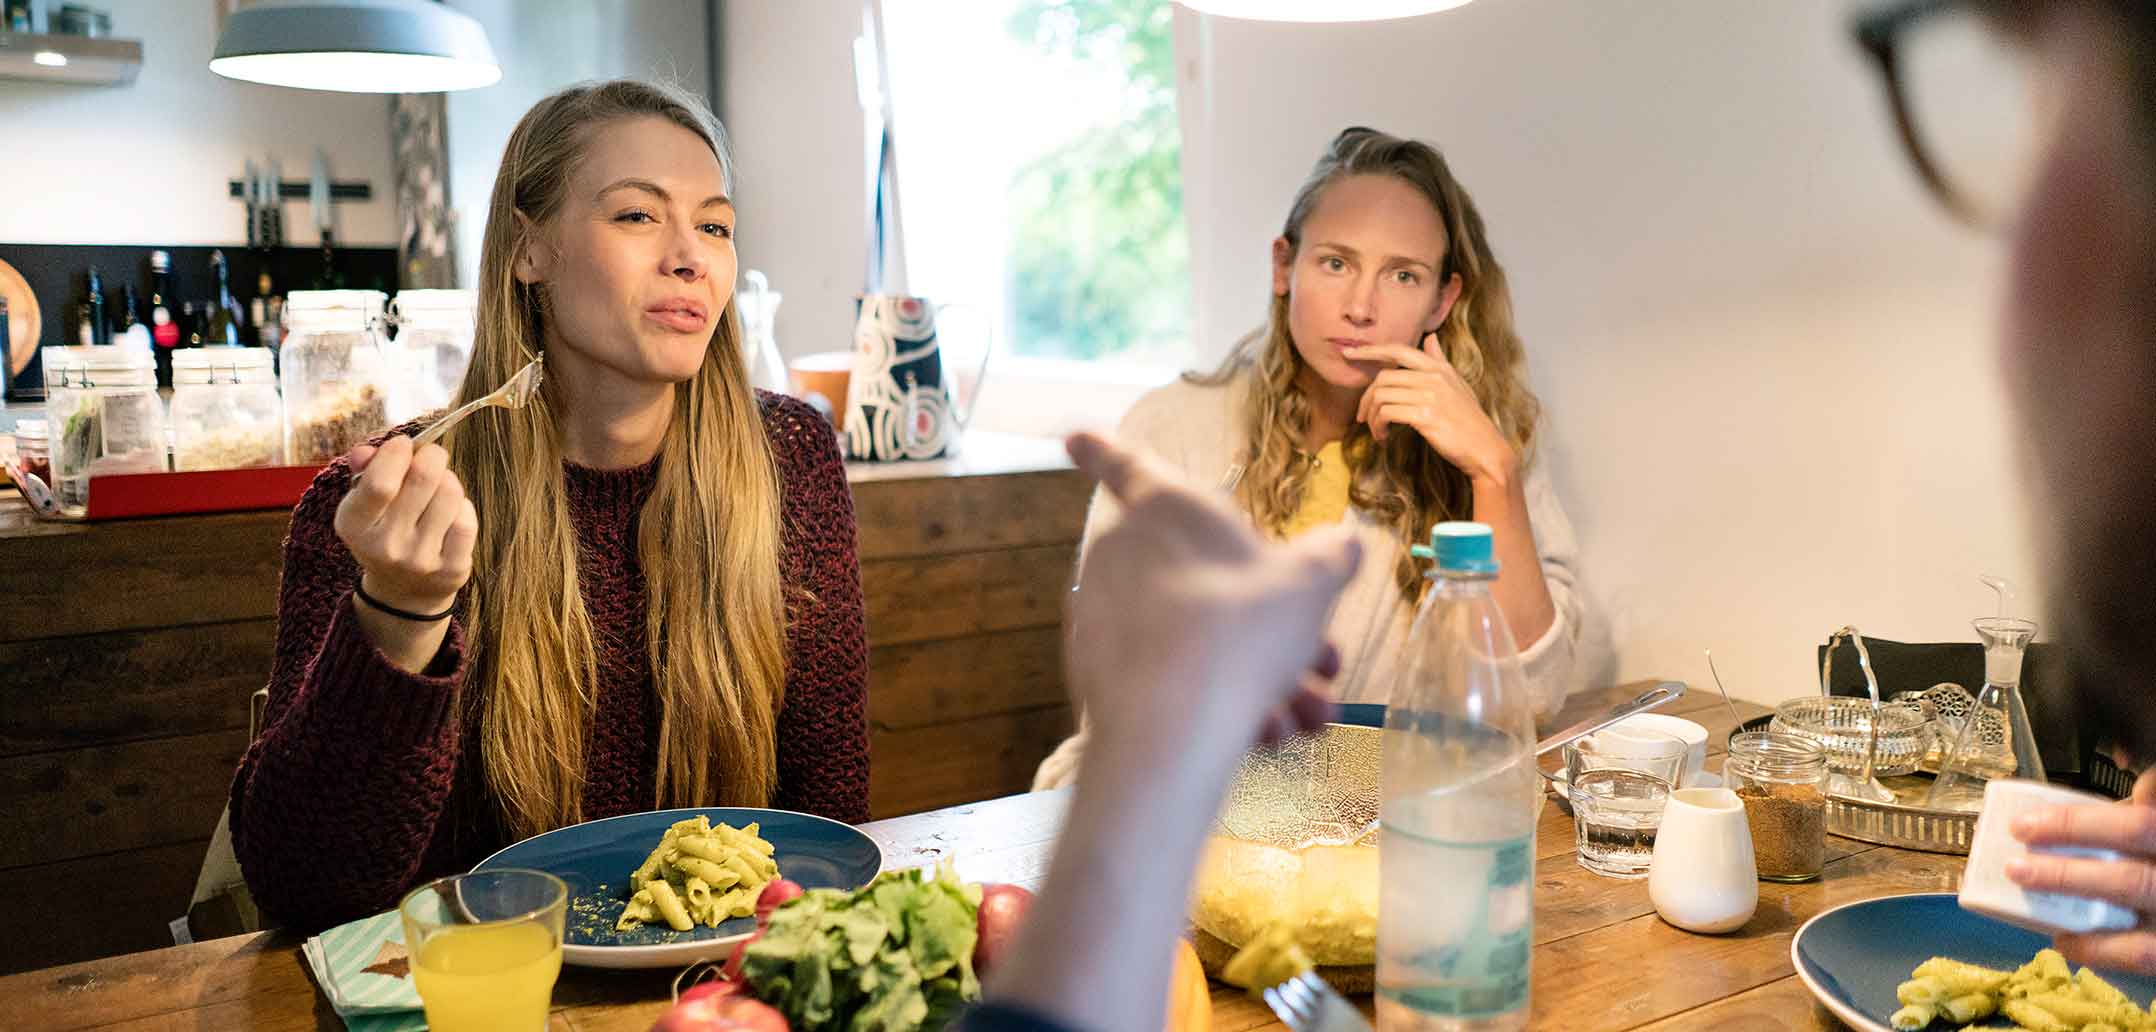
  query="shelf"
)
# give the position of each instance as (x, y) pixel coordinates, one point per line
(90, 61)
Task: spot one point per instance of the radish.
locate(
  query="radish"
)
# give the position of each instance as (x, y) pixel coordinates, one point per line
(716, 1012)
(1003, 907)
(774, 895)
(741, 950)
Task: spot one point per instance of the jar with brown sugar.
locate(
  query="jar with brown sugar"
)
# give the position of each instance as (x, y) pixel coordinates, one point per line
(1782, 780)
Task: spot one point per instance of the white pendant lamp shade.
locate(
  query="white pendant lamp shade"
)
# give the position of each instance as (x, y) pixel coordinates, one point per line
(356, 46)
(1320, 10)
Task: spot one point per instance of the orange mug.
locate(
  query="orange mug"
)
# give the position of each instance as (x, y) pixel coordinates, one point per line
(820, 379)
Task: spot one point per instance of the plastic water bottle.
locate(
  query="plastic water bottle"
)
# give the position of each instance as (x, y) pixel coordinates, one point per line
(1456, 853)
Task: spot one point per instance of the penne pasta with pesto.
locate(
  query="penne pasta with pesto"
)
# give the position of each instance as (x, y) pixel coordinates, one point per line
(2043, 995)
(699, 874)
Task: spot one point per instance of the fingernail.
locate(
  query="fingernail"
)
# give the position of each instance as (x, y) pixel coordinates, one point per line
(2019, 869)
(2024, 825)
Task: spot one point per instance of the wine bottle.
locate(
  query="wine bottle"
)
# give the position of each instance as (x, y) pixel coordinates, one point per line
(266, 311)
(164, 329)
(222, 321)
(7, 373)
(96, 329)
(132, 334)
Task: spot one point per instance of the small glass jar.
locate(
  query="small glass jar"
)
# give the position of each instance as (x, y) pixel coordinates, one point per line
(1782, 780)
(226, 413)
(336, 391)
(109, 417)
(33, 449)
(435, 330)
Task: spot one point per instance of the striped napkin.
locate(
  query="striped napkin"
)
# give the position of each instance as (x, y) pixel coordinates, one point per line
(365, 971)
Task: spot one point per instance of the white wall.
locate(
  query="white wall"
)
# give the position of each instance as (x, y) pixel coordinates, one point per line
(1765, 356)
(795, 118)
(148, 163)
(544, 45)
(1771, 403)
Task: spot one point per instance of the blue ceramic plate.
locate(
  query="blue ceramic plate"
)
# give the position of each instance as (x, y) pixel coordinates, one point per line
(595, 858)
(1853, 956)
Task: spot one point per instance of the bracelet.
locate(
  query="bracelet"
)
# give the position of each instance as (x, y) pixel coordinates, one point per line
(401, 614)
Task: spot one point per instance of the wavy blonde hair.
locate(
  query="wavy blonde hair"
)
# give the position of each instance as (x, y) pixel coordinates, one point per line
(1401, 481)
(709, 538)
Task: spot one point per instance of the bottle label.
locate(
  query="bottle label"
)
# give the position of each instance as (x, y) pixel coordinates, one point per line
(1480, 967)
(165, 332)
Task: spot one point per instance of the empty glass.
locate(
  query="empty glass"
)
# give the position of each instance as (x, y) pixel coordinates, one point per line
(1619, 779)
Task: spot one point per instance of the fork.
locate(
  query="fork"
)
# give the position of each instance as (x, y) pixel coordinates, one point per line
(512, 395)
(1307, 1004)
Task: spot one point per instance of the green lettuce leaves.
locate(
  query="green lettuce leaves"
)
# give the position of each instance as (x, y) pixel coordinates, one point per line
(896, 956)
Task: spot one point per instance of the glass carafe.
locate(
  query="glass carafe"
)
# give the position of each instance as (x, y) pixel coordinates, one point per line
(1996, 740)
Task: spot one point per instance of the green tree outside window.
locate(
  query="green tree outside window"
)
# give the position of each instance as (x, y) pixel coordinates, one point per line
(1099, 258)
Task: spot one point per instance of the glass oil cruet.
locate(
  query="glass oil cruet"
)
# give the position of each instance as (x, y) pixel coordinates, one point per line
(1996, 740)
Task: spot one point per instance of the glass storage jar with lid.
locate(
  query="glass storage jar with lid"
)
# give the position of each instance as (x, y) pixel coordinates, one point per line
(1782, 781)
(226, 413)
(33, 450)
(105, 417)
(435, 329)
(336, 389)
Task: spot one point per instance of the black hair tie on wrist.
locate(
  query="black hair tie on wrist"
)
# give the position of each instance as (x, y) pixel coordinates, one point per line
(401, 614)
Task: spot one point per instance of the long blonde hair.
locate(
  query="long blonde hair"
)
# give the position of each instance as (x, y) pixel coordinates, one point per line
(709, 539)
(1401, 481)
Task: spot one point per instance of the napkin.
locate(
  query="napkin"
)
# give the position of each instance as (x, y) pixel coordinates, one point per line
(366, 973)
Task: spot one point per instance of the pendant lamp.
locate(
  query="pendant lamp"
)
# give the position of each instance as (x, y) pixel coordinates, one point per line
(356, 46)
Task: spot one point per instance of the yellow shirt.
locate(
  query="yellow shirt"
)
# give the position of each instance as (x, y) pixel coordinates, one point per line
(1325, 493)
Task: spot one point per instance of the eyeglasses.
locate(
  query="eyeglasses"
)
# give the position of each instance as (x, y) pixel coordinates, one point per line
(1969, 109)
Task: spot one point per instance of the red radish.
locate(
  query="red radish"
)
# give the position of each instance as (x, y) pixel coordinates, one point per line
(741, 949)
(1003, 908)
(722, 1014)
(708, 987)
(779, 891)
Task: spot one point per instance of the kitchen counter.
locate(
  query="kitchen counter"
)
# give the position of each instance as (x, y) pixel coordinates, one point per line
(129, 650)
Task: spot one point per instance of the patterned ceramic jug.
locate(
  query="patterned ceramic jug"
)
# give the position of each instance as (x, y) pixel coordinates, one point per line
(900, 402)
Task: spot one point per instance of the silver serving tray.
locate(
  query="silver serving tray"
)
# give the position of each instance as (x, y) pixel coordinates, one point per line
(1903, 823)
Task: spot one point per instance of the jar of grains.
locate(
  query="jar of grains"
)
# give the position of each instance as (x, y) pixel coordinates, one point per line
(1782, 780)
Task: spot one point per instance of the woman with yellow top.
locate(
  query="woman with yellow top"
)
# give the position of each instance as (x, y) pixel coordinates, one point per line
(1388, 389)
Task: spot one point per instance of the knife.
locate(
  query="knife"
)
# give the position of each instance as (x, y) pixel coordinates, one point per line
(273, 189)
(1647, 700)
(318, 192)
(251, 193)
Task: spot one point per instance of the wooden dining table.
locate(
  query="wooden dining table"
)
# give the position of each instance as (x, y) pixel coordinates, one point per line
(1602, 959)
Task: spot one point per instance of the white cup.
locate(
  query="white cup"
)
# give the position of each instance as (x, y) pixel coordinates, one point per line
(1704, 877)
(1985, 888)
(1692, 734)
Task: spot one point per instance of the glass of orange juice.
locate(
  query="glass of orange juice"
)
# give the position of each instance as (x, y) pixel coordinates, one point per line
(485, 948)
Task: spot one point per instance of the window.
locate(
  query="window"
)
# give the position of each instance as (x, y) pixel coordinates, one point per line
(1039, 171)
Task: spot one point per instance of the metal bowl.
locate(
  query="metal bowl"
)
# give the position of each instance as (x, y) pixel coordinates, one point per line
(1843, 725)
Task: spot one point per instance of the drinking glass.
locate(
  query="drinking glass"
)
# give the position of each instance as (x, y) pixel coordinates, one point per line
(486, 948)
(1618, 780)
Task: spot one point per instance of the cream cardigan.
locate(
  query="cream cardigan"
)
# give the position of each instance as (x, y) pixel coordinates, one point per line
(1193, 429)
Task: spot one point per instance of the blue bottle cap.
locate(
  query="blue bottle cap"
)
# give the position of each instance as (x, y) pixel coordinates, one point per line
(1458, 546)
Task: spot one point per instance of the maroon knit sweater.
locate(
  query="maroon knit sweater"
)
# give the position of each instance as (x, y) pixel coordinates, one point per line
(364, 779)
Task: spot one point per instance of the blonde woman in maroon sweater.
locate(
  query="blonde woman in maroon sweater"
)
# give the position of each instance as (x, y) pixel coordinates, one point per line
(639, 591)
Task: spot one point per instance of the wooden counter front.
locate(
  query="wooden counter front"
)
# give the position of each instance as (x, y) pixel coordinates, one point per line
(128, 651)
